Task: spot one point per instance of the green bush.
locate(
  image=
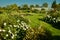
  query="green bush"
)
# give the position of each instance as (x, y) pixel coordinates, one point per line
(53, 19)
(12, 27)
(37, 34)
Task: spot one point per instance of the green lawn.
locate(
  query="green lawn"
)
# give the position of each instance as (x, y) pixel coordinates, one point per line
(34, 22)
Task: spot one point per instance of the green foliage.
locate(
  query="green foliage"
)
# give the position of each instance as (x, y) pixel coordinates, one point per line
(12, 27)
(31, 6)
(35, 11)
(42, 10)
(1, 12)
(37, 34)
(25, 7)
(58, 7)
(12, 7)
(37, 6)
(54, 4)
(16, 28)
(53, 19)
(45, 5)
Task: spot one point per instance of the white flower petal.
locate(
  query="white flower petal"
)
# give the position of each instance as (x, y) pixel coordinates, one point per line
(4, 24)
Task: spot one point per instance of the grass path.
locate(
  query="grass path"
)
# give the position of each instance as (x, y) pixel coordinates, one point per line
(49, 27)
(35, 23)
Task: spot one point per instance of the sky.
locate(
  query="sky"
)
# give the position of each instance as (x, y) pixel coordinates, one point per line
(29, 2)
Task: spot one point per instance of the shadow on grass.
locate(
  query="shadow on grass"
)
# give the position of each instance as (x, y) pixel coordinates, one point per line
(48, 36)
(55, 25)
(55, 38)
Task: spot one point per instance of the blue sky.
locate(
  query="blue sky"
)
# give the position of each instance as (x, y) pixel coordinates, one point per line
(29, 2)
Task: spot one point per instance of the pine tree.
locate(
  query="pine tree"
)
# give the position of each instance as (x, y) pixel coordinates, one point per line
(54, 4)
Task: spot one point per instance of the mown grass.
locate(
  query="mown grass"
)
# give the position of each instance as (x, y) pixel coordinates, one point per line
(34, 22)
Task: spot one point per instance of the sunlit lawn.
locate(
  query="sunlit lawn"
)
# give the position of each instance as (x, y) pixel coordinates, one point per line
(34, 22)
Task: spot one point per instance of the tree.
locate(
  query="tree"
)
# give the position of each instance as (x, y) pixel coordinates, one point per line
(19, 7)
(58, 6)
(12, 7)
(45, 5)
(37, 5)
(54, 4)
(25, 6)
(31, 6)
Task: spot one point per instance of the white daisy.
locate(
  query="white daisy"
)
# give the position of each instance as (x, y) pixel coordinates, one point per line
(10, 25)
(4, 24)
(48, 16)
(24, 28)
(6, 35)
(0, 30)
(14, 25)
(3, 30)
(9, 31)
(18, 26)
(54, 18)
(18, 20)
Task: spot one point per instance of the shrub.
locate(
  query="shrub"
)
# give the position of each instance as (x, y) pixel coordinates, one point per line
(37, 34)
(53, 19)
(12, 27)
(35, 11)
